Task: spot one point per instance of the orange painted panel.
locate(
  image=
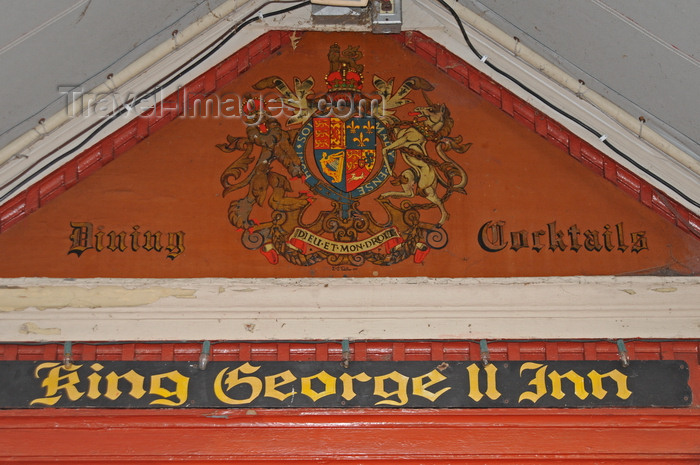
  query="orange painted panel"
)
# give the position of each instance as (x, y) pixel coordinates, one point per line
(445, 184)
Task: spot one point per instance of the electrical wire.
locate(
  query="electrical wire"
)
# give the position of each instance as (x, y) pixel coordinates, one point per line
(562, 112)
(191, 64)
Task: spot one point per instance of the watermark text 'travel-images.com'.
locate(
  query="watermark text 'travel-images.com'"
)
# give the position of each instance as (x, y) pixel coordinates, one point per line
(198, 105)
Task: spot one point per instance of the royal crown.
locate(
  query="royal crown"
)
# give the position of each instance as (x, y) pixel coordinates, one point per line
(345, 73)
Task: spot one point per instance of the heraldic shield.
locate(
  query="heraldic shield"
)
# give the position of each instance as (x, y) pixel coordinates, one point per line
(345, 151)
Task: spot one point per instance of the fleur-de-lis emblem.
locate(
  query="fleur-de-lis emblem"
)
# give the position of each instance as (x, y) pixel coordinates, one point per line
(353, 127)
(369, 127)
(361, 140)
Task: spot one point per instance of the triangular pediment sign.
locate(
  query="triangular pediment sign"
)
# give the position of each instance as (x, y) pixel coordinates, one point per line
(325, 159)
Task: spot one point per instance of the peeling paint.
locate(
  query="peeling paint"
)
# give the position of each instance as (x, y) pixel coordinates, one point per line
(665, 289)
(390, 308)
(294, 40)
(44, 297)
(33, 328)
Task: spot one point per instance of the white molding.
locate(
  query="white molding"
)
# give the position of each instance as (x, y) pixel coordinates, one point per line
(606, 307)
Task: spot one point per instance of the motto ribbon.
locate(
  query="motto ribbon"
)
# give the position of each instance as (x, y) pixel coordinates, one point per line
(301, 236)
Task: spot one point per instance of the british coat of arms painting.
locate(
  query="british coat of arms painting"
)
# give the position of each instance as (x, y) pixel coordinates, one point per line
(377, 155)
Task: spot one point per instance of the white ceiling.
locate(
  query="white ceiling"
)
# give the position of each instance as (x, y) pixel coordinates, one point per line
(50, 44)
(644, 55)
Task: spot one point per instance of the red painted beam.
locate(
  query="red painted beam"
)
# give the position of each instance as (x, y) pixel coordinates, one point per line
(659, 436)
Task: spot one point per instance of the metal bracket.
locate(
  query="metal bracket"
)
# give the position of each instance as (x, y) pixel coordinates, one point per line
(346, 353)
(67, 354)
(622, 353)
(205, 355)
(484, 349)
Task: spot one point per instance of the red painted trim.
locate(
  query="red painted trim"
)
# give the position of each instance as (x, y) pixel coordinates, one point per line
(359, 436)
(361, 350)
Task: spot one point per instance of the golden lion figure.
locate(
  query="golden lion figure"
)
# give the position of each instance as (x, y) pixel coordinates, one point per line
(432, 123)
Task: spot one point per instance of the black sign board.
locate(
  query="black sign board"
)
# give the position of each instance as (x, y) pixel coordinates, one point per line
(449, 384)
